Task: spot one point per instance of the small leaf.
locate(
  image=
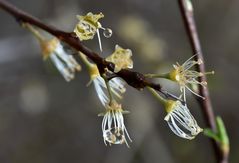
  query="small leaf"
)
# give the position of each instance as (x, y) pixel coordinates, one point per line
(222, 134)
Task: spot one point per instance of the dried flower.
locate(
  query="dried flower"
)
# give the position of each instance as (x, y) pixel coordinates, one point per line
(180, 120)
(89, 25)
(65, 63)
(113, 128)
(185, 77)
(121, 58)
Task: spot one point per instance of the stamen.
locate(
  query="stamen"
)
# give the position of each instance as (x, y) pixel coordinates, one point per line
(195, 93)
(210, 73)
(99, 40)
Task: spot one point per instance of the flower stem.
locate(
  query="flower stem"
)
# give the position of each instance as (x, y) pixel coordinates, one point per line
(166, 75)
(33, 31)
(155, 93)
(85, 60)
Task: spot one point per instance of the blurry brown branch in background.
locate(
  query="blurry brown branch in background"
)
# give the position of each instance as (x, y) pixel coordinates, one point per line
(134, 79)
(186, 10)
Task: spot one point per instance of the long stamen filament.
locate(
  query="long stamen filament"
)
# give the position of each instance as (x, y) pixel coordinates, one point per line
(209, 73)
(99, 39)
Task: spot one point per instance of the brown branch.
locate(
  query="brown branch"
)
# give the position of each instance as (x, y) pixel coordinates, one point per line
(134, 79)
(206, 106)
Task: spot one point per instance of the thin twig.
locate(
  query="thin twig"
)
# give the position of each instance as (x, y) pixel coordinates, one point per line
(186, 10)
(134, 79)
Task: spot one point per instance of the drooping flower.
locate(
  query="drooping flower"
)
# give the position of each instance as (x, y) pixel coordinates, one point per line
(113, 127)
(116, 85)
(64, 62)
(184, 76)
(89, 25)
(121, 58)
(53, 49)
(178, 117)
(180, 120)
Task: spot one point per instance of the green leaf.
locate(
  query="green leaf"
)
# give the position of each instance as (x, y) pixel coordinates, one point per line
(222, 134)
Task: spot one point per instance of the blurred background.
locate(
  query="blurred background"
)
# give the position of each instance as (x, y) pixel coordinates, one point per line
(44, 119)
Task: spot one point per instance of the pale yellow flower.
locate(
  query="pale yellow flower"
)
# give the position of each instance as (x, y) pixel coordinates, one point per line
(89, 25)
(64, 62)
(121, 58)
(185, 77)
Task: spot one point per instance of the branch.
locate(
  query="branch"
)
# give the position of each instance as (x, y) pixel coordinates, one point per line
(134, 79)
(206, 105)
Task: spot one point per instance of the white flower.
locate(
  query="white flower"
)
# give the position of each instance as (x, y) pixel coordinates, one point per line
(186, 77)
(113, 128)
(180, 120)
(65, 63)
(116, 85)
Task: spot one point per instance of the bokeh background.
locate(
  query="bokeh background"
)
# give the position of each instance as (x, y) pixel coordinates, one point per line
(44, 119)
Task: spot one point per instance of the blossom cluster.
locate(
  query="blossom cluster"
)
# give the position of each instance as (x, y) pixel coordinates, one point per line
(110, 90)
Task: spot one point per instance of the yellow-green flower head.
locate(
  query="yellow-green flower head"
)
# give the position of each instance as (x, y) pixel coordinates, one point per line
(113, 127)
(89, 25)
(184, 76)
(121, 58)
(64, 62)
(180, 120)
